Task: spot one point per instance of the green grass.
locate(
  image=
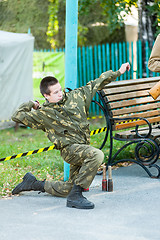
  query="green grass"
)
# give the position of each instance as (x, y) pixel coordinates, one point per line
(54, 64)
(36, 91)
(44, 165)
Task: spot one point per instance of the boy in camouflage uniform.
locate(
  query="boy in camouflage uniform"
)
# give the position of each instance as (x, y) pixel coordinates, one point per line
(64, 118)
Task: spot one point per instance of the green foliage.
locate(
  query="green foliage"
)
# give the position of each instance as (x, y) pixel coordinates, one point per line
(99, 20)
(82, 32)
(154, 12)
(89, 14)
(113, 8)
(93, 17)
(53, 25)
(20, 15)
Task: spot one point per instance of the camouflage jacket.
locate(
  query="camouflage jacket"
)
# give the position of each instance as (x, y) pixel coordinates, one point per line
(65, 122)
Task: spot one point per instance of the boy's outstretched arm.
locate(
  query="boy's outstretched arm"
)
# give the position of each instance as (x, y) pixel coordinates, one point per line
(90, 89)
(113, 75)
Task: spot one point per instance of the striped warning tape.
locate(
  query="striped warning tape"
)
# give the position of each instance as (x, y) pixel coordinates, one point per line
(94, 117)
(133, 120)
(9, 120)
(100, 130)
(28, 153)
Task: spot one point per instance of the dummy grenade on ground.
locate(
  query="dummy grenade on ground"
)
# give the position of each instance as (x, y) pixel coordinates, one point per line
(104, 180)
(110, 181)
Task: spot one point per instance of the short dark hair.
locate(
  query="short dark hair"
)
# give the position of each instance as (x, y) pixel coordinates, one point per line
(45, 83)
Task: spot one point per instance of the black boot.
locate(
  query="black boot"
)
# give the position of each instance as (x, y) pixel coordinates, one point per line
(75, 199)
(29, 183)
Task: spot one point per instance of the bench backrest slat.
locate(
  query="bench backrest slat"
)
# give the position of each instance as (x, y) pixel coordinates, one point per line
(123, 96)
(128, 89)
(132, 102)
(135, 109)
(133, 82)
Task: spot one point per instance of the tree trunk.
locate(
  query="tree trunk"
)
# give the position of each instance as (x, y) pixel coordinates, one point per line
(146, 29)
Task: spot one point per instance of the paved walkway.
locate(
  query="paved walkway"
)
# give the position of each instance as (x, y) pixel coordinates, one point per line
(130, 212)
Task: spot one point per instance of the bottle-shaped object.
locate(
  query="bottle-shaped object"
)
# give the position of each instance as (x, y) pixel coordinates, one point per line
(104, 180)
(155, 91)
(110, 181)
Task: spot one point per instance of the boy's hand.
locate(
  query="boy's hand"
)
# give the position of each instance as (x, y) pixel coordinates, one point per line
(36, 104)
(124, 67)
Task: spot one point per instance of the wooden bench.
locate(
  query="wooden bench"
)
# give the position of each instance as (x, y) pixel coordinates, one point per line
(128, 107)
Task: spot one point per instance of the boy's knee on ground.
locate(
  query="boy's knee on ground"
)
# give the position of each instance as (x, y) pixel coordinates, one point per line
(99, 157)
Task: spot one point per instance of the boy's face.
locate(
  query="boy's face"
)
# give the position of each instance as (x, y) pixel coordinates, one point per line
(56, 93)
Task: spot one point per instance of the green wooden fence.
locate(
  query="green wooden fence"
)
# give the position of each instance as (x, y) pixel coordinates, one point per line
(93, 60)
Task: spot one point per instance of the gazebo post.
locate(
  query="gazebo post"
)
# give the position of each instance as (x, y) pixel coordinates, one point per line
(70, 53)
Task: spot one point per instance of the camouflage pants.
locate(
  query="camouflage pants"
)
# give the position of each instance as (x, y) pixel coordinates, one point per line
(84, 161)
